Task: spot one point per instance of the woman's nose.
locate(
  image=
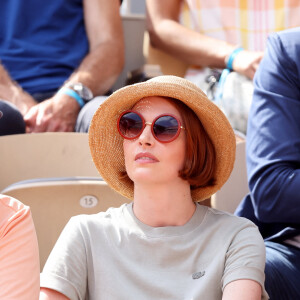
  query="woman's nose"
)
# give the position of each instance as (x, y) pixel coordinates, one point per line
(146, 137)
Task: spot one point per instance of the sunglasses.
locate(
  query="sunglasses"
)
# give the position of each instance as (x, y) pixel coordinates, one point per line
(165, 128)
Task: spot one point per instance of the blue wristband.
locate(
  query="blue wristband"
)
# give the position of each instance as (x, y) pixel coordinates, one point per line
(219, 94)
(232, 56)
(72, 94)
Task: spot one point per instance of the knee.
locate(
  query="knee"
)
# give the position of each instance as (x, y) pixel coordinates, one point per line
(271, 271)
(11, 120)
(274, 282)
(86, 114)
(280, 271)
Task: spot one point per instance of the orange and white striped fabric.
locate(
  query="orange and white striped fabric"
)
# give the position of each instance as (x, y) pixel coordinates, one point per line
(241, 22)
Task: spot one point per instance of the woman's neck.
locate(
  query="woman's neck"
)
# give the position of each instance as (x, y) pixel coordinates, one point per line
(158, 206)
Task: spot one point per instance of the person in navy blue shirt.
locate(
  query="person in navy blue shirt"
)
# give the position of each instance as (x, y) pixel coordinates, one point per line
(273, 163)
(54, 57)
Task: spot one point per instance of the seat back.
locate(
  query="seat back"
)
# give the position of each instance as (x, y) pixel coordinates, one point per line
(169, 65)
(36, 157)
(236, 187)
(42, 155)
(133, 29)
(134, 6)
(53, 201)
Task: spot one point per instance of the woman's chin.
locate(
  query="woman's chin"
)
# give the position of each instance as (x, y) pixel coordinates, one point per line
(143, 176)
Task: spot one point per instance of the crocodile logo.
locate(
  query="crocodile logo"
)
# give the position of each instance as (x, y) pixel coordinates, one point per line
(198, 275)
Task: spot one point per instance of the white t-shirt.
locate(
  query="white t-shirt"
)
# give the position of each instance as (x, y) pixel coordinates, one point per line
(112, 255)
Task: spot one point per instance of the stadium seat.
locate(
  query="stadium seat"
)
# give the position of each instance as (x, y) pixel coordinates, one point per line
(134, 30)
(53, 201)
(40, 155)
(234, 190)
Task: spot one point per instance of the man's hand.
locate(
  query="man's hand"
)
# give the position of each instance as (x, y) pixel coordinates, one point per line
(58, 113)
(247, 62)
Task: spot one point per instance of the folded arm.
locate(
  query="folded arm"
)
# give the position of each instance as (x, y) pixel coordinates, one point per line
(167, 34)
(273, 137)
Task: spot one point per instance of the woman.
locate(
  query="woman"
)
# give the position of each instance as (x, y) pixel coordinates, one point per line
(165, 154)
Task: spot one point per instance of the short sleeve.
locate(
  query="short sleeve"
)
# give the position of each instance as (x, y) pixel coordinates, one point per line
(19, 253)
(245, 257)
(66, 268)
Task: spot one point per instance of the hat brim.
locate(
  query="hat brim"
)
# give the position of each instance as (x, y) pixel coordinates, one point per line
(106, 144)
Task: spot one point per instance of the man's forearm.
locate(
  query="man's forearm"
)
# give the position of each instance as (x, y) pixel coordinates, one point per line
(273, 134)
(191, 46)
(13, 93)
(188, 45)
(7, 86)
(167, 34)
(100, 68)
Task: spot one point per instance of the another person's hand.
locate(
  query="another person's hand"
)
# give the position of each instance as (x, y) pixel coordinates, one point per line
(247, 62)
(58, 113)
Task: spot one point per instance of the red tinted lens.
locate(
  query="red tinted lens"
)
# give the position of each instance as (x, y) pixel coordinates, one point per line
(166, 128)
(130, 125)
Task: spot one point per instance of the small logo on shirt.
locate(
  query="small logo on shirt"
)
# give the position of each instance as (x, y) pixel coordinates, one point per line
(197, 275)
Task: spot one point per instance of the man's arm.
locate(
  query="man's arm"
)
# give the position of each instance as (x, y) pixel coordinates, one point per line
(273, 136)
(13, 93)
(98, 70)
(190, 46)
(102, 66)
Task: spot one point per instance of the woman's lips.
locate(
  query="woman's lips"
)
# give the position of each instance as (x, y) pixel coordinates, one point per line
(145, 157)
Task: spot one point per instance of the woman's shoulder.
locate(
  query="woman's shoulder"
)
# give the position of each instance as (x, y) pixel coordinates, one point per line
(228, 222)
(226, 216)
(110, 216)
(11, 208)
(231, 232)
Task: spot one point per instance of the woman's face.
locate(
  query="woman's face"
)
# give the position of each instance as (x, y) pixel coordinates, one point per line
(146, 159)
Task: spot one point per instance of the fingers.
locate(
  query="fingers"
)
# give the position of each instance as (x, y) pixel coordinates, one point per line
(50, 116)
(56, 125)
(247, 62)
(30, 119)
(251, 73)
(40, 120)
(43, 121)
(37, 119)
(254, 65)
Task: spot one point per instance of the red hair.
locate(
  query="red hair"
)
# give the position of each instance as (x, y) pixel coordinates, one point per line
(199, 166)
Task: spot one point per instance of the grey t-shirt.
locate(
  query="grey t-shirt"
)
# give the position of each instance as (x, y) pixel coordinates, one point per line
(112, 255)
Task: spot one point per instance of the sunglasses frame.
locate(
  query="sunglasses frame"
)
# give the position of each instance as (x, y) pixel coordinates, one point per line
(151, 124)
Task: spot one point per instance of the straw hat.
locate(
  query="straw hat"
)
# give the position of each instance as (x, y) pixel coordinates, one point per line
(106, 144)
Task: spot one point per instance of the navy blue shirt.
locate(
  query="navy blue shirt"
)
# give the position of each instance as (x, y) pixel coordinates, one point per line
(42, 41)
(273, 140)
